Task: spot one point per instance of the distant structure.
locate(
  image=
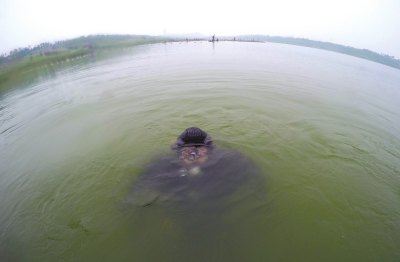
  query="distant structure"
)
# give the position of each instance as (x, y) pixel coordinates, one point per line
(164, 31)
(213, 39)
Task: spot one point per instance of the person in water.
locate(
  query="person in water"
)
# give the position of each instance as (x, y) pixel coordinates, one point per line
(198, 185)
(193, 146)
(196, 173)
(197, 188)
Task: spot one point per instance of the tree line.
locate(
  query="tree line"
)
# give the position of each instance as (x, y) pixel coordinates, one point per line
(94, 41)
(48, 48)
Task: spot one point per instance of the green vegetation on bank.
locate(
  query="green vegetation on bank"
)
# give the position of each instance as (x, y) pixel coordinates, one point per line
(348, 50)
(45, 54)
(32, 62)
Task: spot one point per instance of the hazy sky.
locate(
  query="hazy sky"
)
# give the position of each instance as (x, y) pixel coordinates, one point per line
(370, 24)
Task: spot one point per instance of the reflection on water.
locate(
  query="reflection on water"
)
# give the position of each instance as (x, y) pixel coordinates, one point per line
(323, 126)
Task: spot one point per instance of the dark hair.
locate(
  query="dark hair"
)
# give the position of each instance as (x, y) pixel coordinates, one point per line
(192, 136)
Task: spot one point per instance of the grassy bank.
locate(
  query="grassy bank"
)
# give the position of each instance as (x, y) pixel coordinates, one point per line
(33, 62)
(24, 60)
(68, 50)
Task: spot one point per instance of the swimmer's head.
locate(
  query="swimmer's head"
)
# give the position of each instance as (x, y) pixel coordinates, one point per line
(193, 137)
(193, 145)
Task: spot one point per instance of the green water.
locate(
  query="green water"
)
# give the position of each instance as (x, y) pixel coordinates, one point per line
(323, 127)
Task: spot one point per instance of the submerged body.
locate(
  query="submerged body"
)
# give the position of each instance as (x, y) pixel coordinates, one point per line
(198, 188)
(199, 191)
(196, 198)
(172, 178)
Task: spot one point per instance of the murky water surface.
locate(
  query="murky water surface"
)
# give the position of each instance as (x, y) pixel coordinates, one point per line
(323, 127)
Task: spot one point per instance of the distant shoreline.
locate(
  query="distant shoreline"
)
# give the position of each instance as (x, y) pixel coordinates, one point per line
(46, 54)
(22, 60)
(347, 50)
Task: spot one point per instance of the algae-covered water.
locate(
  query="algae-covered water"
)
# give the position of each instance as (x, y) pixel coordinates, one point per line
(323, 127)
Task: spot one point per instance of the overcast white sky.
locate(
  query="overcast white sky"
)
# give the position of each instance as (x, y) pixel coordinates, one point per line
(370, 24)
